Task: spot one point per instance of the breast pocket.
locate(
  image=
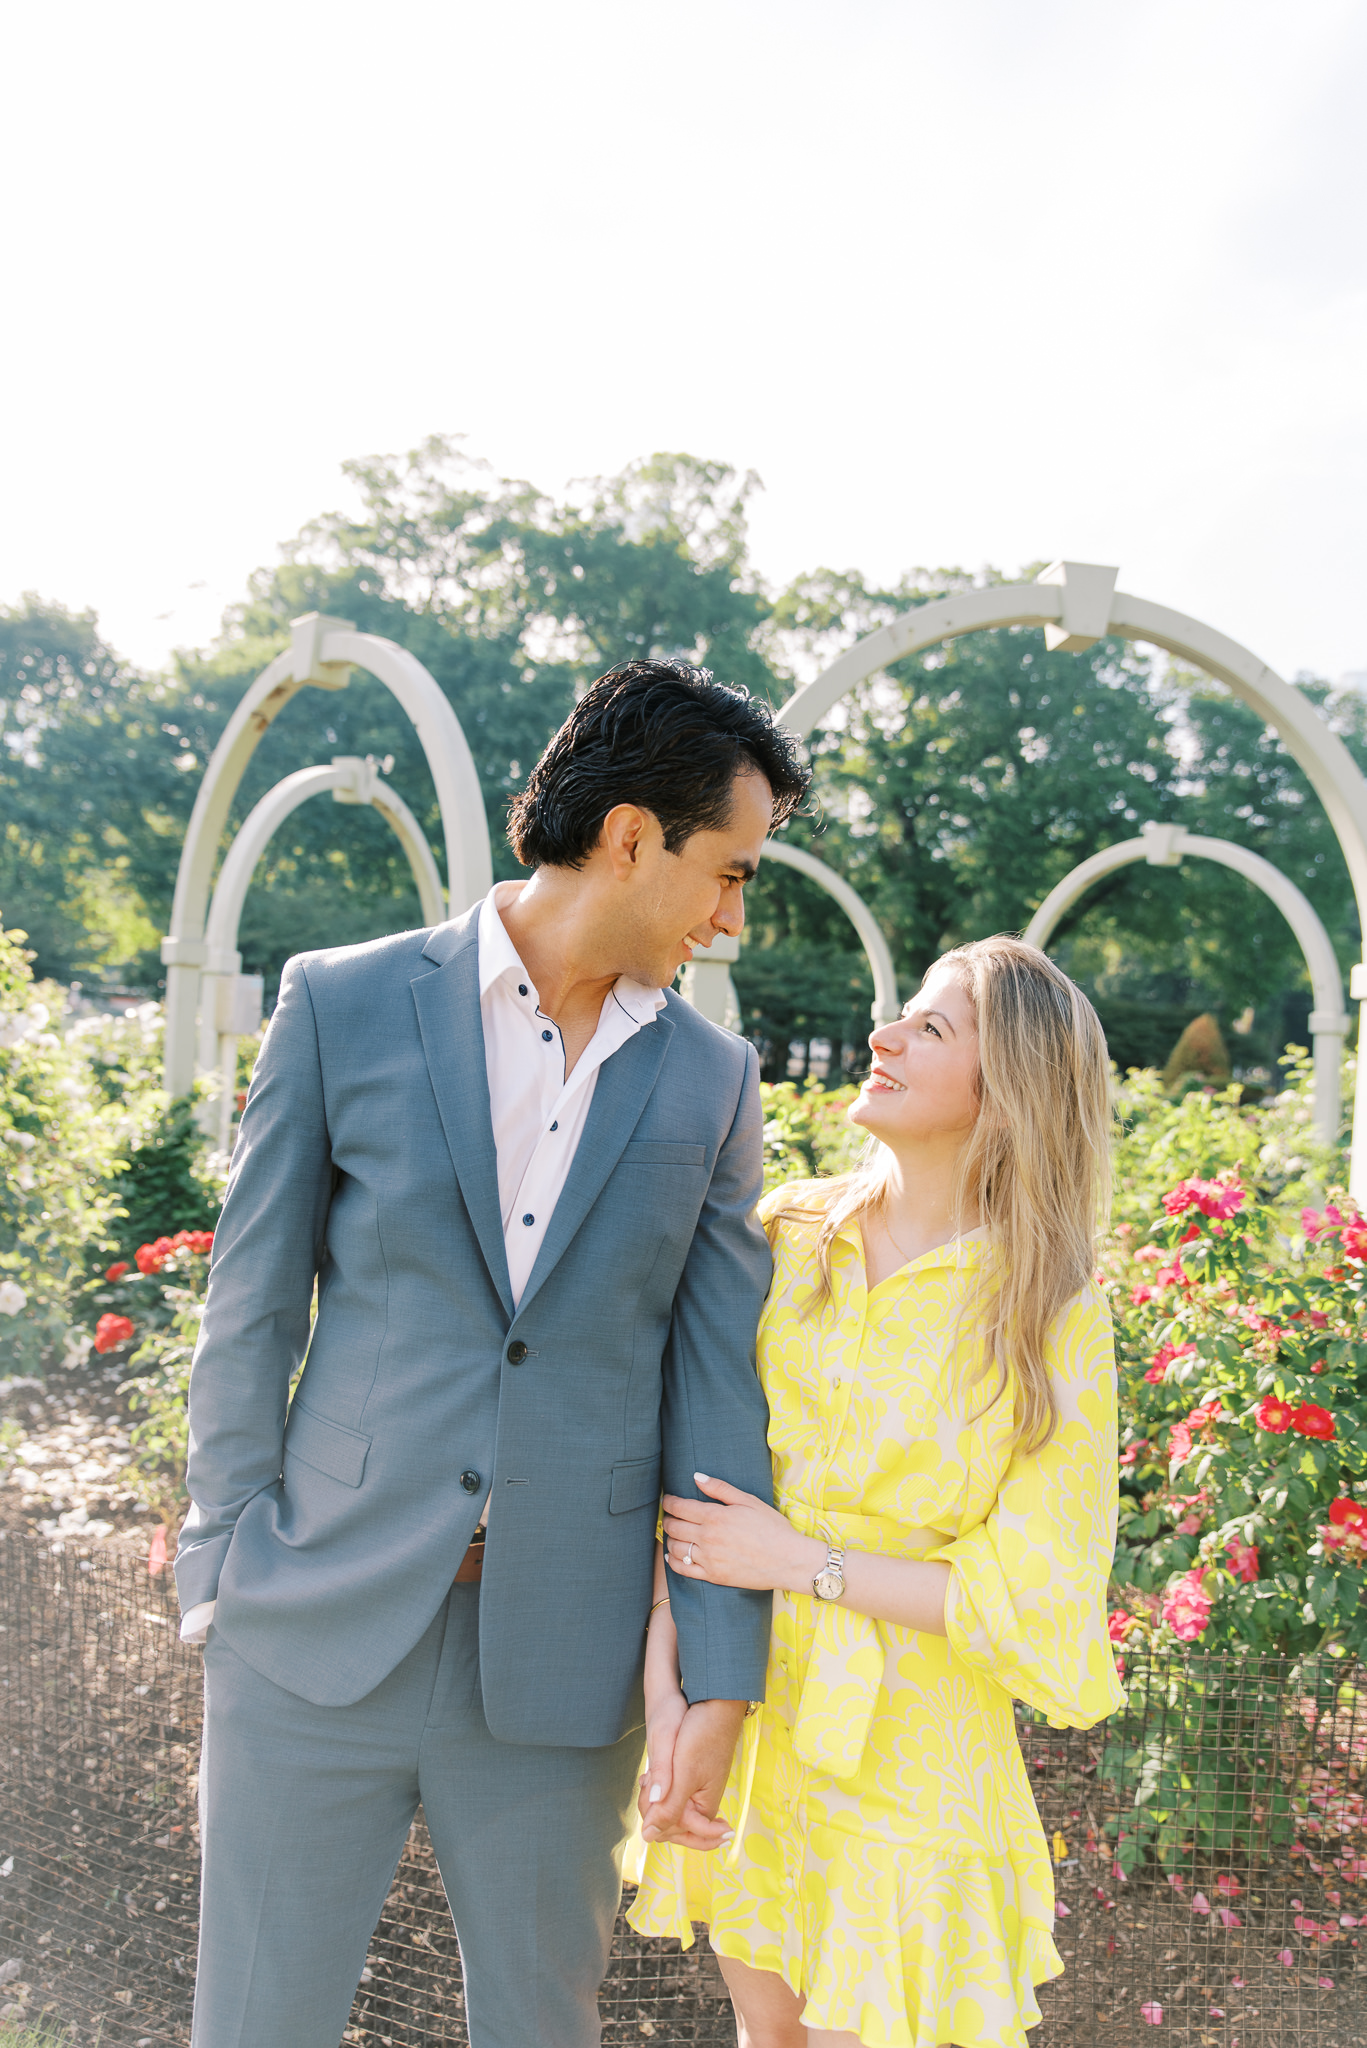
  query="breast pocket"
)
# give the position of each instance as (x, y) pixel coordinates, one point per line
(657, 1152)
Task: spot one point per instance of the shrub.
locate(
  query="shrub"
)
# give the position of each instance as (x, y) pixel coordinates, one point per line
(1244, 1439)
(1200, 1052)
(59, 1161)
(806, 1135)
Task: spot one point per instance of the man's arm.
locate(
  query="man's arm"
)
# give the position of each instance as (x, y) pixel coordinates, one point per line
(715, 1418)
(267, 1250)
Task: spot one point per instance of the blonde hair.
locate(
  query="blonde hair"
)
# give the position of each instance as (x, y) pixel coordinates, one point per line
(1037, 1165)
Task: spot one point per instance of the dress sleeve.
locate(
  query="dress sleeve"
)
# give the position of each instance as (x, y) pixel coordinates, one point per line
(1026, 1602)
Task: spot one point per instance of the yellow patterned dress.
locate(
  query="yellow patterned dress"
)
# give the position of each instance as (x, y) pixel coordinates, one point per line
(889, 1862)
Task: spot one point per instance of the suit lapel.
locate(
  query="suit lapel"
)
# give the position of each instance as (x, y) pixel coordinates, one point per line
(620, 1094)
(452, 1030)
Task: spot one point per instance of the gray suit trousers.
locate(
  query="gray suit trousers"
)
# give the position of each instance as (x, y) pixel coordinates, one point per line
(304, 1811)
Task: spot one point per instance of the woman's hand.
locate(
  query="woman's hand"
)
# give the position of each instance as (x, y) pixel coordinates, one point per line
(733, 1539)
(664, 1719)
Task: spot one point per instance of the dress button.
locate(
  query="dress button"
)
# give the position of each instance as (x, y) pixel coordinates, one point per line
(547, 1036)
(529, 1219)
(522, 988)
(517, 1351)
(470, 1481)
(556, 1125)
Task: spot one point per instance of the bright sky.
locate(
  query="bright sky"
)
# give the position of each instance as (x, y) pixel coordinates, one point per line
(965, 281)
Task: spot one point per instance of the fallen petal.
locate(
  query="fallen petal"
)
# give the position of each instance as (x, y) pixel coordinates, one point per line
(1063, 1911)
(1228, 1919)
(1151, 2011)
(1284, 1955)
(1325, 1983)
(1200, 1904)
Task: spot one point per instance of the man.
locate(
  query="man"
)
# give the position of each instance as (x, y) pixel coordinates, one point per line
(523, 1177)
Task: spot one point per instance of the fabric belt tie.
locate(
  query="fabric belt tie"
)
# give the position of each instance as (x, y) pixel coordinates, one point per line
(845, 1666)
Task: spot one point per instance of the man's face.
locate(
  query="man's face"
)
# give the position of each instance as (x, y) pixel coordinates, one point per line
(676, 902)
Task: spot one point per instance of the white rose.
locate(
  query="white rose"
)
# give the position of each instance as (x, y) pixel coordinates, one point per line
(12, 1298)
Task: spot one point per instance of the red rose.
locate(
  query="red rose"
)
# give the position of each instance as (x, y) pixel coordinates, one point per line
(117, 1270)
(1274, 1415)
(1243, 1560)
(1355, 1239)
(1212, 1197)
(1310, 1420)
(1347, 1514)
(201, 1241)
(151, 1258)
(111, 1332)
(1179, 1442)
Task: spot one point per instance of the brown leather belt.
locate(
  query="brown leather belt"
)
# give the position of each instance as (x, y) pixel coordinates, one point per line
(472, 1564)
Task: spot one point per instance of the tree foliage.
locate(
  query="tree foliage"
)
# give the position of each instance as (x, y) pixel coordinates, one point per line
(953, 790)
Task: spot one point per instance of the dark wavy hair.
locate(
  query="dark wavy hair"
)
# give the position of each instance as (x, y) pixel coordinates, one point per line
(660, 734)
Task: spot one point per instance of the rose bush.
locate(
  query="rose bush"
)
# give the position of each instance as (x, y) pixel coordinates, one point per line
(1243, 1363)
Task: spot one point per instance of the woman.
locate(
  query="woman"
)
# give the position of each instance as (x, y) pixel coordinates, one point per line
(940, 1372)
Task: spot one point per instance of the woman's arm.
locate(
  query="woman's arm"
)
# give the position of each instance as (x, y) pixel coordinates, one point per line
(732, 1539)
(666, 1712)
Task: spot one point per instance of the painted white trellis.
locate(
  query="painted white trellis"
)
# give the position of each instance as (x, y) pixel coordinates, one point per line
(1076, 603)
(229, 1001)
(322, 652)
(707, 983)
(1165, 846)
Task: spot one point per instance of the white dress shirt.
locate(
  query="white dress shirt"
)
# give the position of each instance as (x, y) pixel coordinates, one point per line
(538, 1113)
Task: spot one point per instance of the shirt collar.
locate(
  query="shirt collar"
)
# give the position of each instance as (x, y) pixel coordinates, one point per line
(498, 960)
(497, 953)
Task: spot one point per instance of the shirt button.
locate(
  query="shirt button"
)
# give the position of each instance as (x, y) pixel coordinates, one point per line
(529, 1219)
(517, 1351)
(547, 1036)
(470, 1481)
(556, 1125)
(522, 988)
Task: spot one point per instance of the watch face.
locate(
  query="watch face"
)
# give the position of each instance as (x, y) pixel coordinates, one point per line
(829, 1585)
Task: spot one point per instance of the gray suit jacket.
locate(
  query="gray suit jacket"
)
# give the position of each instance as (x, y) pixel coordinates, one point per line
(329, 1528)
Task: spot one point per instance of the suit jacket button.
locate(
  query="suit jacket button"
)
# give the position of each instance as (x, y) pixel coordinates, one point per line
(517, 1351)
(470, 1481)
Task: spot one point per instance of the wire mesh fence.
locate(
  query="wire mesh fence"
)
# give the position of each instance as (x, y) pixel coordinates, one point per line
(1210, 1844)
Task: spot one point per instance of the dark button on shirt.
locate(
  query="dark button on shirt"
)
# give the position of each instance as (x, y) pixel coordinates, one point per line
(470, 1481)
(547, 1035)
(517, 1351)
(529, 1219)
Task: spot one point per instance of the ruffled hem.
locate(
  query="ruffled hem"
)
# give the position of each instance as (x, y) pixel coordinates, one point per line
(904, 1951)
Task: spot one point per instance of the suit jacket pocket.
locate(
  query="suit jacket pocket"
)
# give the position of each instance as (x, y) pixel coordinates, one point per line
(635, 1484)
(655, 1152)
(326, 1446)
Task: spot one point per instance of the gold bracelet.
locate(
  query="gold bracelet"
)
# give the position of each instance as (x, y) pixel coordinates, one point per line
(658, 1603)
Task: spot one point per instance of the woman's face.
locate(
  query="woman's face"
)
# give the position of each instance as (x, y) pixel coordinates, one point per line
(923, 1084)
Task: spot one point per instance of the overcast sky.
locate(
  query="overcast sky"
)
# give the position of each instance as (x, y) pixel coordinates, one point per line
(979, 281)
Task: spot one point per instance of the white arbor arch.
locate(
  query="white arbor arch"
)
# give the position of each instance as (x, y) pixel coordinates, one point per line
(230, 1003)
(708, 985)
(1076, 603)
(322, 653)
(1164, 846)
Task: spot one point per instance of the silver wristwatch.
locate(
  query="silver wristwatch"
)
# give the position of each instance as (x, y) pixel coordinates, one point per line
(829, 1582)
